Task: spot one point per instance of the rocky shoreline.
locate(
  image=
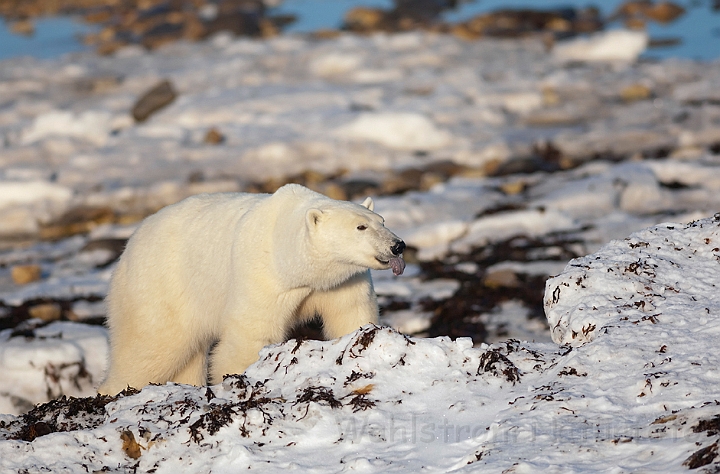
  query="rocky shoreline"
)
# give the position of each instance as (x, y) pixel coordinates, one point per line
(153, 23)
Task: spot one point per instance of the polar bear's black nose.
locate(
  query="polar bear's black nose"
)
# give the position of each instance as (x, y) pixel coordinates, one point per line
(398, 248)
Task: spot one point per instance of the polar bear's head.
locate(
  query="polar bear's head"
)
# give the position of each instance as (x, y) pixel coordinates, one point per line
(355, 235)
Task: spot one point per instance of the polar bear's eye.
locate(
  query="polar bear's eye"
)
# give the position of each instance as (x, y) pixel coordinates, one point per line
(362, 227)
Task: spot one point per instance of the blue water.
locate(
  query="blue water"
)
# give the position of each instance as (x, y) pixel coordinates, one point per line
(52, 38)
(699, 28)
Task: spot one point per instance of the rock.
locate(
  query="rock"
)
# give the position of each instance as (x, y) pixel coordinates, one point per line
(665, 12)
(501, 279)
(444, 168)
(359, 188)
(214, 137)
(640, 10)
(153, 100)
(334, 191)
(550, 96)
(515, 23)
(360, 19)
(406, 180)
(312, 179)
(513, 188)
(325, 34)
(24, 274)
(194, 29)
(632, 8)
(45, 311)
(109, 47)
(635, 92)
(162, 34)
(463, 31)
(23, 27)
(196, 176)
(98, 16)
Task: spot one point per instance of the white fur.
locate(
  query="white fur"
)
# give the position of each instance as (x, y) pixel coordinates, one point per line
(240, 270)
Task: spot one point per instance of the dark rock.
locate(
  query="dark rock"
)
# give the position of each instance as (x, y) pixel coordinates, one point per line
(357, 188)
(153, 100)
(151, 24)
(214, 137)
(642, 10)
(510, 23)
(406, 15)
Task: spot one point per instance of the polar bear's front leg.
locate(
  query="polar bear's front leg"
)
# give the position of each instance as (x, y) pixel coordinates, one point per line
(233, 354)
(346, 307)
(194, 372)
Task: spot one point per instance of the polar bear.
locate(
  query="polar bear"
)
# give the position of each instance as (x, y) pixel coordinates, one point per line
(239, 271)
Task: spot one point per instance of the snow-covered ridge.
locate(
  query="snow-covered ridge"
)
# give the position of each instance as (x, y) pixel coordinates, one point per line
(635, 390)
(641, 279)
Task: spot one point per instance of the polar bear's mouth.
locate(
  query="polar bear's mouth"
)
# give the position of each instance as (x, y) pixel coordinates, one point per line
(396, 263)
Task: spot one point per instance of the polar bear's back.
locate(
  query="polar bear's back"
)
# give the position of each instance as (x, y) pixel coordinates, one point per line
(192, 225)
(180, 256)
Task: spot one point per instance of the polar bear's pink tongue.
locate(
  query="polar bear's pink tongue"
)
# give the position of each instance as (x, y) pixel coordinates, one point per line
(398, 265)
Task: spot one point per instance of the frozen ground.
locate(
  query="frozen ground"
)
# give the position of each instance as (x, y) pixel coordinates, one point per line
(523, 159)
(631, 388)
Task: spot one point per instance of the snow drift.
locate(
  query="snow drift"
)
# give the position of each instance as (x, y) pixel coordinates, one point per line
(632, 387)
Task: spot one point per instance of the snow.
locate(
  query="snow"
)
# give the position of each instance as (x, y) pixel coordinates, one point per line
(91, 125)
(612, 45)
(31, 192)
(647, 272)
(397, 131)
(638, 324)
(60, 358)
(553, 166)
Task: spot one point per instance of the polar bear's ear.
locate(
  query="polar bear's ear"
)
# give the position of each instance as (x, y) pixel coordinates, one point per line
(313, 217)
(369, 204)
